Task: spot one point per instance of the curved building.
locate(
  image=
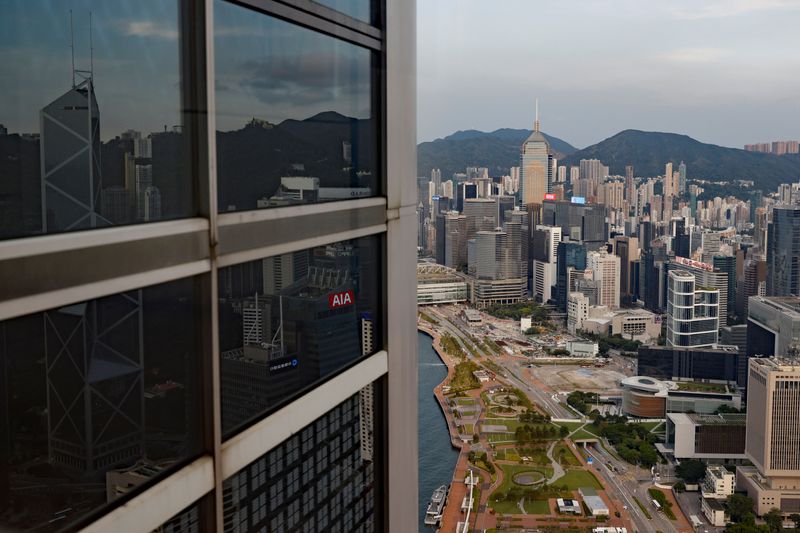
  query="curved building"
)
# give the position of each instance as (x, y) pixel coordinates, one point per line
(644, 397)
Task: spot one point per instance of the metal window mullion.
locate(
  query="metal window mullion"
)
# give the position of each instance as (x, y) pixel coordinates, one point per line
(214, 402)
(314, 22)
(338, 17)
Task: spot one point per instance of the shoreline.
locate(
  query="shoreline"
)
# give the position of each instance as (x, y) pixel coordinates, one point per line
(457, 490)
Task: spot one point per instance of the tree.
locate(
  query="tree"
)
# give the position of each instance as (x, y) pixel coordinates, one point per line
(680, 486)
(795, 517)
(739, 506)
(564, 432)
(774, 519)
(691, 471)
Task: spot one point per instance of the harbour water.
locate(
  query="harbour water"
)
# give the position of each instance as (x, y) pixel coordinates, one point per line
(437, 458)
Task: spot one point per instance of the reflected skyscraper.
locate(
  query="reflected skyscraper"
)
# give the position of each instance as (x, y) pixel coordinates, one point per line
(70, 161)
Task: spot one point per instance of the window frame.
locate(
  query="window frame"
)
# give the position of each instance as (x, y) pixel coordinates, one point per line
(200, 245)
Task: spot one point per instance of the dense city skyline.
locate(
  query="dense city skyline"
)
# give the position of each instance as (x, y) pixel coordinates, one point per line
(721, 72)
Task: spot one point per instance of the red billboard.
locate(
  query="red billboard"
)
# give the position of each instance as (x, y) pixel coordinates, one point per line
(340, 299)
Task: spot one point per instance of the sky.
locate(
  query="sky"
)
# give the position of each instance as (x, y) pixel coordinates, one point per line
(265, 68)
(725, 72)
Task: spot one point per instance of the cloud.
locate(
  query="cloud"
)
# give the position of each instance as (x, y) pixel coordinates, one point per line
(149, 28)
(689, 56)
(709, 9)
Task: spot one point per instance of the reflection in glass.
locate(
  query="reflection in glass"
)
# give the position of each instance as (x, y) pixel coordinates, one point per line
(294, 113)
(358, 9)
(95, 400)
(287, 321)
(90, 119)
(321, 479)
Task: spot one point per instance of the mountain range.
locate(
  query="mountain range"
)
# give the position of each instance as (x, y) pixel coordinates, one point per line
(648, 152)
(497, 151)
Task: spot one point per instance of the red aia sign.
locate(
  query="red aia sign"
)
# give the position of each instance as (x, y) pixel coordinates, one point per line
(549, 196)
(340, 299)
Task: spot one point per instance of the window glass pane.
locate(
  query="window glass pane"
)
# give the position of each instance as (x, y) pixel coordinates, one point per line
(358, 9)
(339, 497)
(96, 398)
(294, 114)
(99, 145)
(289, 320)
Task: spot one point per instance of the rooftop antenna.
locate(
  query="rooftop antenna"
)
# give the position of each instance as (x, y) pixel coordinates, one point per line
(91, 50)
(536, 123)
(72, 47)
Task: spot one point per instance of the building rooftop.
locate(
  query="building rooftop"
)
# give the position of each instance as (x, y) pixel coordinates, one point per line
(722, 419)
(785, 304)
(714, 504)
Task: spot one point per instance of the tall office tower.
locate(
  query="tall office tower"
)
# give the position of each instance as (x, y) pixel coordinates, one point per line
(707, 276)
(627, 249)
(545, 245)
(754, 275)
(772, 440)
(517, 250)
(574, 174)
(562, 174)
(605, 271)
(785, 193)
(152, 204)
(577, 311)
(492, 257)
(727, 264)
(792, 147)
(783, 252)
(682, 178)
(505, 204)
(692, 312)
(514, 175)
(95, 380)
(668, 190)
(436, 179)
(465, 191)
(711, 243)
(581, 222)
(256, 321)
(70, 161)
(773, 326)
(451, 240)
(143, 173)
(630, 187)
(570, 256)
(536, 164)
(481, 215)
(280, 271)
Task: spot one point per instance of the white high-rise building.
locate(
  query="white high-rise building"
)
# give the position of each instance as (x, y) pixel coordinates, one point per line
(577, 311)
(692, 312)
(605, 271)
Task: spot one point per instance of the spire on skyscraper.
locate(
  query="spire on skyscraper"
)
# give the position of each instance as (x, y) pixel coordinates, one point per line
(536, 122)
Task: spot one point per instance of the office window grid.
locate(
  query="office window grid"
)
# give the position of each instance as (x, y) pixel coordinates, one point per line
(51, 272)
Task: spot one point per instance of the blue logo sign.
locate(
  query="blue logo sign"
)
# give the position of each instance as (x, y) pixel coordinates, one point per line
(578, 200)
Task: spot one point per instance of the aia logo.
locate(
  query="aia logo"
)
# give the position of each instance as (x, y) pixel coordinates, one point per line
(340, 299)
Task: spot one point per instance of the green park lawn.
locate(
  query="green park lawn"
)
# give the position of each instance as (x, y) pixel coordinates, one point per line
(575, 479)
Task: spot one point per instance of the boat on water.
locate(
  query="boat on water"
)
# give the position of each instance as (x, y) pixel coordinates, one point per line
(434, 513)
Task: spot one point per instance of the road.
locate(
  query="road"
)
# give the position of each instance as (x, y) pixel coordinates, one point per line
(629, 482)
(451, 322)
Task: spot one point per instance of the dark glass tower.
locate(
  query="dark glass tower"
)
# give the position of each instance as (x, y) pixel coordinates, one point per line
(783, 252)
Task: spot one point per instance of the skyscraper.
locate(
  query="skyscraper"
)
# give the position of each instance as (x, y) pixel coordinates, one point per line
(783, 252)
(682, 178)
(692, 312)
(536, 163)
(606, 272)
(70, 161)
(773, 436)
